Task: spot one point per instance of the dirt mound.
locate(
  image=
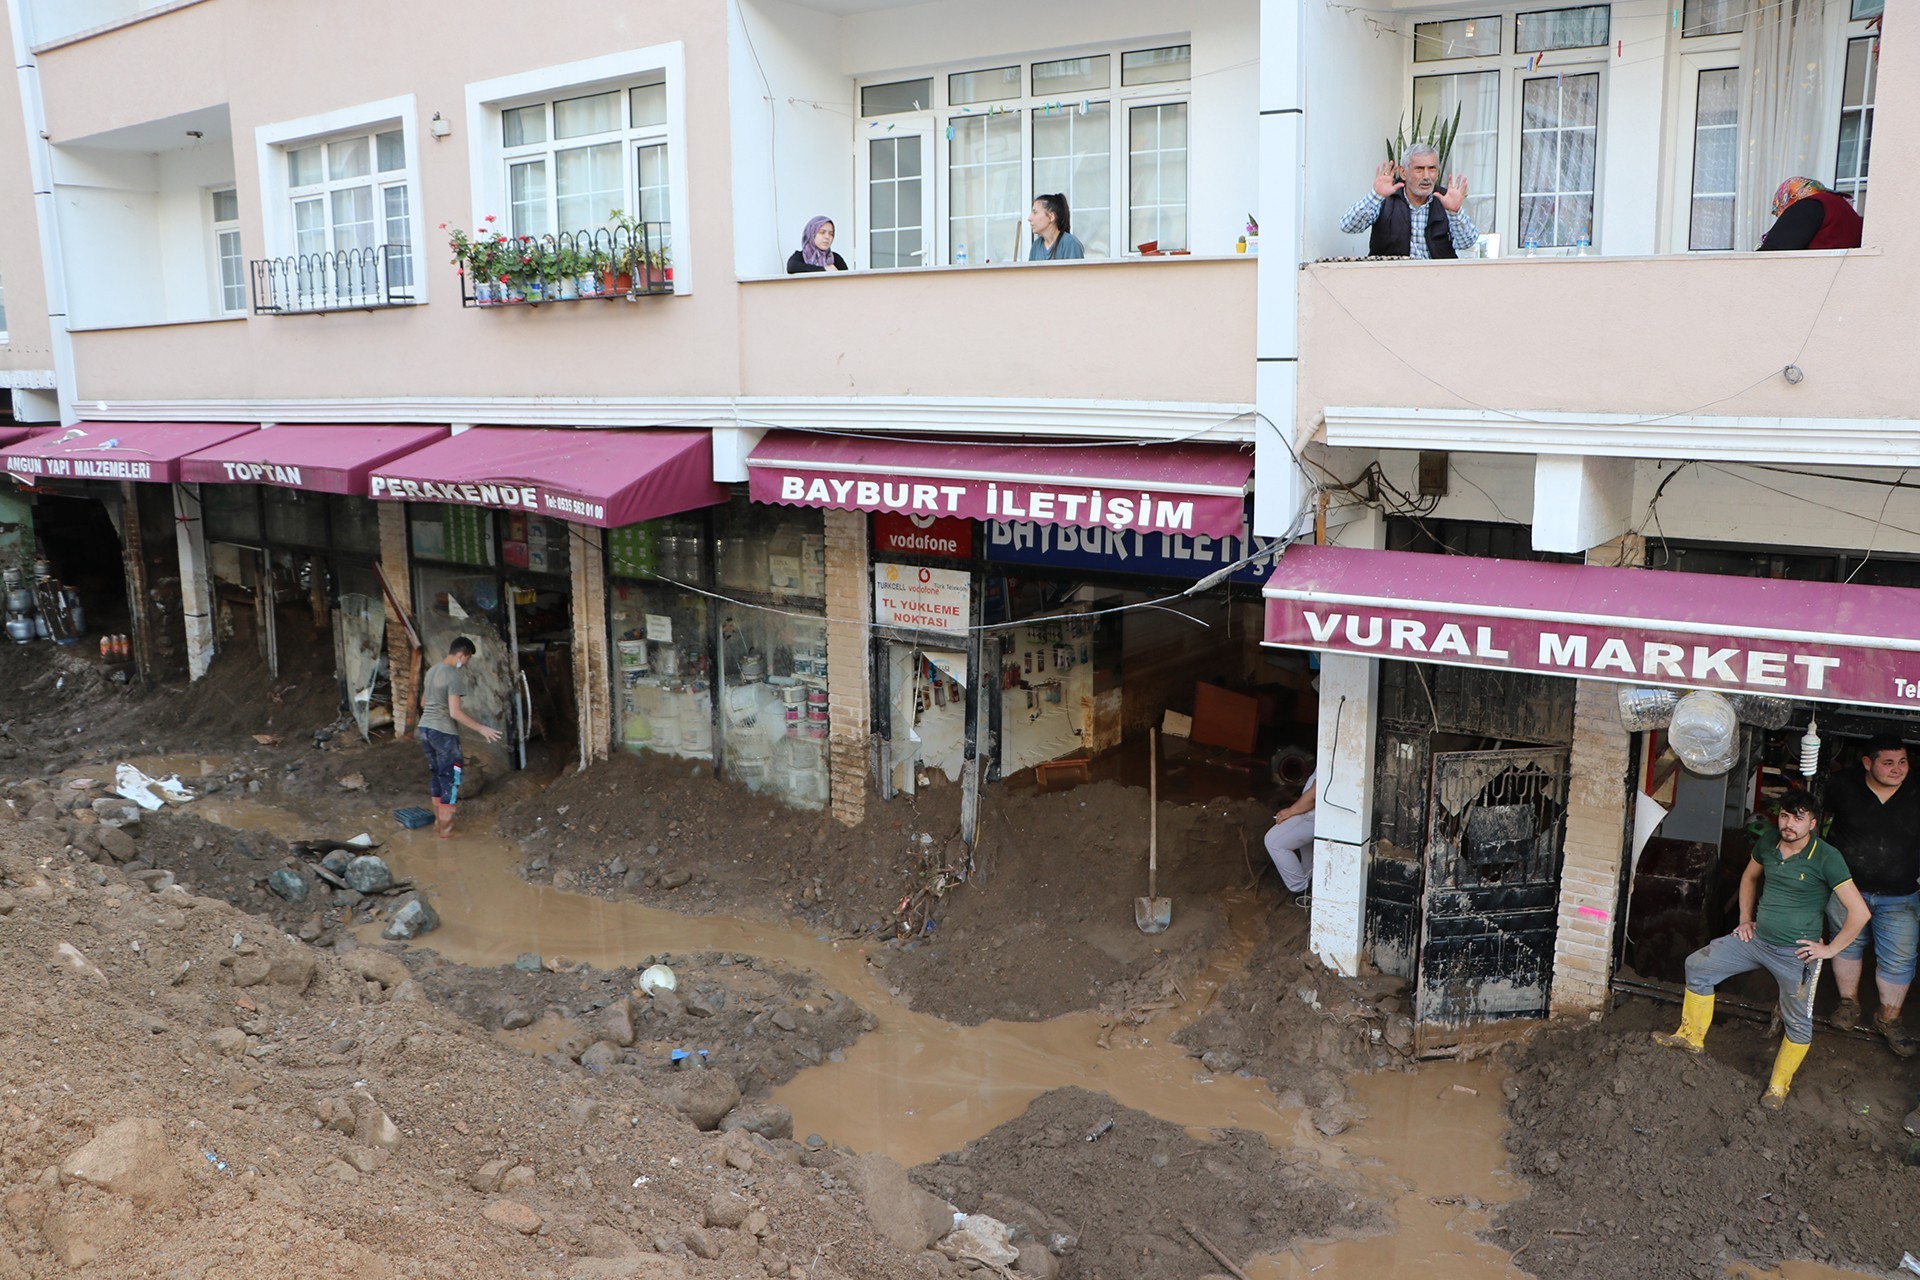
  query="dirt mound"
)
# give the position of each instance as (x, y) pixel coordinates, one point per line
(1648, 1161)
(1291, 1021)
(191, 1092)
(1121, 1198)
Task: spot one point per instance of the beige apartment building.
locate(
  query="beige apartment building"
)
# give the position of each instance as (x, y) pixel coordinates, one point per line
(951, 515)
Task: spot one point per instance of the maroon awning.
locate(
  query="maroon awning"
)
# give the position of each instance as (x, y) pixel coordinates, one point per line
(12, 435)
(326, 459)
(1829, 642)
(1148, 487)
(600, 477)
(115, 450)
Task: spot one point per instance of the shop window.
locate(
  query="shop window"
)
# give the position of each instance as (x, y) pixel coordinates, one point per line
(775, 552)
(1046, 691)
(536, 544)
(663, 668)
(458, 535)
(231, 513)
(773, 702)
(295, 517)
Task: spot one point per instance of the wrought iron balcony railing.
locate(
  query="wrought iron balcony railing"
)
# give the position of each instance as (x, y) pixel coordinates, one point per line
(574, 266)
(347, 280)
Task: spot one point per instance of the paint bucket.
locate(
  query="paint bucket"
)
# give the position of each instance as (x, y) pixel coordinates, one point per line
(793, 695)
(633, 654)
(696, 736)
(817, 714)
(817, 729)
(816, 697)
(753, 668)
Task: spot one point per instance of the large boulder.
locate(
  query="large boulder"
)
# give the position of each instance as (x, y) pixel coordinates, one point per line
(704, 1096)
(129, 1158)
(911, 1219)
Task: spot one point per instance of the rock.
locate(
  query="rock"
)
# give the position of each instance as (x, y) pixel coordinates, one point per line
(336, 860)
(599, 1241)
(768, 1119)
(699, 1242)
(411, 918)
(290, 885)
(783, 1019)
(7, 903)
(368, 873)
(334, 1114)
(295, 971)
(514, 1019)
(902, 1213)
(600, 1055)
(615, 1022)
(156, 879)
(116, 843)
(512, 1215)
(704, 1004)
(667, 1002)
(228, 1042)
(128, 1158)
(528, 962)
(1036, 1261)
(725, 1209)
(75, 1237)
(112, 811)
(518, 1176)
(376, 966)
(372, 1126)
(364, 1159)
(675, 879)
(980, 1239)
(645, 1266)
(1221, 1062)
(75, 962)
(703, 1097)
(353, 782)
(486, 1179)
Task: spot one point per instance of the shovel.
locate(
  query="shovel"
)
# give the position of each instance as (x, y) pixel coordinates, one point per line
(1152, 914)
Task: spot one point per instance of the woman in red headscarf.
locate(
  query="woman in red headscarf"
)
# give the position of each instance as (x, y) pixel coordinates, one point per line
(1808, 216)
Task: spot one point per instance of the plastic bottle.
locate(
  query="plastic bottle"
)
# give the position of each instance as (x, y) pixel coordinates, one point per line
(960, 254)
(1531, 248)
(453, 792)
(1583, 247)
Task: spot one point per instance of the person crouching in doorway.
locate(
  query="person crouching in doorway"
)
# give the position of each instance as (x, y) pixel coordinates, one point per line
(1783, 899)
(439, 729)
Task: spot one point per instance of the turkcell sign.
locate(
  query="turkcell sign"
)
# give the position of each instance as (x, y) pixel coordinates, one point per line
(1153, 555)
(80, 468)
(511, 496)
(1822, 670)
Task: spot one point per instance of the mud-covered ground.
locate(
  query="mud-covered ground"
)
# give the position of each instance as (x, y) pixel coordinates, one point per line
(1126, 1186)
(1648, 1161)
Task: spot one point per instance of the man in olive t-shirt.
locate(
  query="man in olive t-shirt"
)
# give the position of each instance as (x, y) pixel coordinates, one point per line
(441, 690)
(1779, 931)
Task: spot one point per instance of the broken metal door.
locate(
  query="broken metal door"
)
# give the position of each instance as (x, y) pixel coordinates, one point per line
(1492, 891)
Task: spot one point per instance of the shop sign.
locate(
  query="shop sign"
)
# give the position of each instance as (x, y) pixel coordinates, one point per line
(1832, 670)
(1059, 502)
(80, 468)
(922, 536)
(922, 599)
(1154, 555)
(510, 497)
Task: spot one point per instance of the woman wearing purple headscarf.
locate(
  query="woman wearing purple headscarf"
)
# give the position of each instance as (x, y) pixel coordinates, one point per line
(816, 249)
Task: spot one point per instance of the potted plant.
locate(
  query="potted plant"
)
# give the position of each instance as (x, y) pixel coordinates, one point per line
(524, 281)
(588, 260)
(631, 255)
(563, 263)
(480, 257)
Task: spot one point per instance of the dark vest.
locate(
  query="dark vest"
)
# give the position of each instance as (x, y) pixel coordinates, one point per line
(1393, 229)
(1841, 227)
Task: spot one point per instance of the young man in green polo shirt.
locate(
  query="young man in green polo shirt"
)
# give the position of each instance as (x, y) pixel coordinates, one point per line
(1779, 931)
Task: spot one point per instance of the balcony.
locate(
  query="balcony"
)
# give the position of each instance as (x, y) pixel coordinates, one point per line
(349, 280)
(1166, 330)
(1674, 356)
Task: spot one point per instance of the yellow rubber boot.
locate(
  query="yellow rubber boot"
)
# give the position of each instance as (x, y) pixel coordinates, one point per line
(1785, 1063)
(1695, 1013)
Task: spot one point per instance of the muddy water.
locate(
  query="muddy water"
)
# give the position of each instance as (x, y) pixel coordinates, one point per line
(918, 1086)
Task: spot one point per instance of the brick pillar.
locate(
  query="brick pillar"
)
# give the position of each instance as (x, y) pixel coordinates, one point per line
(196, 590)
(1599, 818)
(849, 668)
(401, 662)
(592, 678)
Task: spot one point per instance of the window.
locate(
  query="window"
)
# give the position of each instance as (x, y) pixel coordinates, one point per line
(349, 195)
(1456, 38)
(231, 263)
(1713, 17)
(1476, 147)
(1856, 119)
(1716, 159)
(1583, 28)
(1559, 136)
(572, 162)
(1007, 133)
(1867, 9)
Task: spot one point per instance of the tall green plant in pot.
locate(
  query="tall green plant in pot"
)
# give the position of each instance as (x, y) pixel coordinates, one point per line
(1437, 133)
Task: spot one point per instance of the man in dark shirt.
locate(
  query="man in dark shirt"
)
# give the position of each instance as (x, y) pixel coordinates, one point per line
(1876, 827)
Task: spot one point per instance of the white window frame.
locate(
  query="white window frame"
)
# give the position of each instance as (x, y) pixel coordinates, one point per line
(219, 229)
(1514, 73)
(273, 142)
(1119, 99)
(487, 154)
(4, 336)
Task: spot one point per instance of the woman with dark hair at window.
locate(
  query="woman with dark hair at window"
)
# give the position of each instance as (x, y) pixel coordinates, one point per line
(1808, 216)
(1052, 223)
(816, 249)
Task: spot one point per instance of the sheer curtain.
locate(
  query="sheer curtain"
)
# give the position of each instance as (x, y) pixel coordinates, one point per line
(1781, 56)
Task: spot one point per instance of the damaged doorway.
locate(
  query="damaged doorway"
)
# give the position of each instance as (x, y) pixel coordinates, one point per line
(927, 724)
